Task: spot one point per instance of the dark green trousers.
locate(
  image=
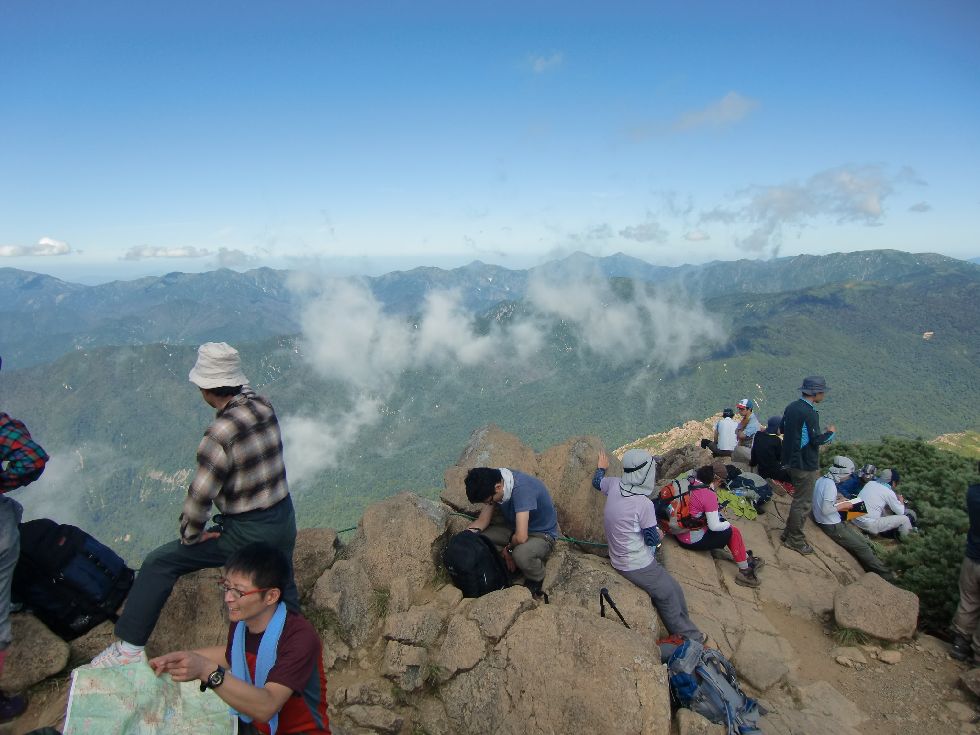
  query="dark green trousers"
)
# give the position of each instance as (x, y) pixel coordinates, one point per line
(852, 540)
(155, 580)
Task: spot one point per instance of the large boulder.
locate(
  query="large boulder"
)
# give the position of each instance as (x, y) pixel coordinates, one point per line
(877, 608)
(193, 617)
(397, 543)
(567, 470)
(599, 678)
(488, 446)
(316, 549)
(681, 460)
(35, 654)
(346, 597)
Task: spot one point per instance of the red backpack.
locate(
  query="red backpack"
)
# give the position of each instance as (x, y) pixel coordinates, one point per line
(673, 509)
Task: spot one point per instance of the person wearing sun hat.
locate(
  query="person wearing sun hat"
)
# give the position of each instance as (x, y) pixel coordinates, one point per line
(802, 440)
(240, 470)
(630, 521)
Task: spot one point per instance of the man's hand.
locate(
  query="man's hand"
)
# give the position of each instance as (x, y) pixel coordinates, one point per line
(832, 429)
(208, 536)
(603, 461)
(182, 666)
(508, 559)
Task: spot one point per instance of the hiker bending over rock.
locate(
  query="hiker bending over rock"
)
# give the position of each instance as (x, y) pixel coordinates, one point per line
(21, 462)
(271, 669)
(885, 509)
(802, 439)
(966, 622)
(828, 505)
(630, 521)
(240, 469)
(716, 532)
(725, 439)
(527, 525)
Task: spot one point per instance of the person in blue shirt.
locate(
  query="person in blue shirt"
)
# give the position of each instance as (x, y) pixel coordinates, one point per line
(526, 524)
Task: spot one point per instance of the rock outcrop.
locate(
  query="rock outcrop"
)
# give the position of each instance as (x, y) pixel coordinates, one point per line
(877, 608)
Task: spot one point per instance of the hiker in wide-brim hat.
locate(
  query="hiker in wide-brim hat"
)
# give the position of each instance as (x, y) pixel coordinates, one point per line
(639, 473)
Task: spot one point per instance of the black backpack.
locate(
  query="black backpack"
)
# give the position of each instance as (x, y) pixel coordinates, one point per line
(69, 580)
(474, 564)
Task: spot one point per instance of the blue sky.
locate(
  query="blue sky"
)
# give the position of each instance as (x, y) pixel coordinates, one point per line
(139, 138)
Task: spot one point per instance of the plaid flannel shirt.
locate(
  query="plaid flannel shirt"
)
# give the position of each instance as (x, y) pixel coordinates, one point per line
(239, 464)
(24, 457)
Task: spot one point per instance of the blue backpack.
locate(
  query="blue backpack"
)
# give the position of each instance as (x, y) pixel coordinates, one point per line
(68, 579)
(704, 681)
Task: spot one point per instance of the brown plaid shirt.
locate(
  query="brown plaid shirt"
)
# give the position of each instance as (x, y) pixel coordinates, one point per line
(239, 464)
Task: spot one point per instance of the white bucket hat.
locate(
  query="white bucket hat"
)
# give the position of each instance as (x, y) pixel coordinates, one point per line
(218, 366)
(639, 473)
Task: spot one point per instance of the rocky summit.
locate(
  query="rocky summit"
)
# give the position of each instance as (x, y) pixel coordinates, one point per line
(406, 653)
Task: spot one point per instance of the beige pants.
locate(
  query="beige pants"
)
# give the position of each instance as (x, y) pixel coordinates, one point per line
(530, 556)
(966, 622)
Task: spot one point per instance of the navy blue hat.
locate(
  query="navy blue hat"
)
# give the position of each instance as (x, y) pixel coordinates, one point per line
(728, 413)
(772, 426)
(814, 384)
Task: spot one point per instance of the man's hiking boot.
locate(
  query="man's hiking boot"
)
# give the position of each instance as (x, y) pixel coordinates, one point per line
(803, 548)
(536, 592)
(116, 655)
(747, 578)
(12, 707)
(962, 650)
(755, 563)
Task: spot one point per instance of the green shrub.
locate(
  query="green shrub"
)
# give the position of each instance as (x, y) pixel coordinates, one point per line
(934, 484)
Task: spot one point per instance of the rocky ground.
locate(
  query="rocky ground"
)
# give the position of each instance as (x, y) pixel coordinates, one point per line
(406, 654)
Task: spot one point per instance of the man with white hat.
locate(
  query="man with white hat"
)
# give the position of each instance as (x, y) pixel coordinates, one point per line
(827, 509)
(240, 470)
(630, 521)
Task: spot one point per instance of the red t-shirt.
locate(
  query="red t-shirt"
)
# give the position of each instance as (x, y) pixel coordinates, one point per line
(299, 666)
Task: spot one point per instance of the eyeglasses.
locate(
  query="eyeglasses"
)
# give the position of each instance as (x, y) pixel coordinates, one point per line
(238, 594)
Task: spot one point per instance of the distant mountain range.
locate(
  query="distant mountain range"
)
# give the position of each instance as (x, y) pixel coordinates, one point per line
(896, 336)
(45, 317)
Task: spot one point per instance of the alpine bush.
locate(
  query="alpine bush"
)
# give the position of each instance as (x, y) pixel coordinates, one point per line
(934, 484)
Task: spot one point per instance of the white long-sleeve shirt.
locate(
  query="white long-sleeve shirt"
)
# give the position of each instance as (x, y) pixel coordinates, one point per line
(876, 496)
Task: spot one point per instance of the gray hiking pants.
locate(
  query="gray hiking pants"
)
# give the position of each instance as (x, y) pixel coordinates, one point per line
(667, 597)
(10, 513)
(155, 581)
(803, 481)
(847, 538)
(966, 622)
(530, 557)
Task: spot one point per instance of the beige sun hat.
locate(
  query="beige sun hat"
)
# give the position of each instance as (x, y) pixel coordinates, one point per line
(218, 365)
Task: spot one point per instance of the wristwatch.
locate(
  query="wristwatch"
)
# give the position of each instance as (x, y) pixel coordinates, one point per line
(215, 679)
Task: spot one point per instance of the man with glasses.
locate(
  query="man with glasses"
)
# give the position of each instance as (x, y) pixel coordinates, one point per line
(270, 672)
(526, 525)
(240, 470)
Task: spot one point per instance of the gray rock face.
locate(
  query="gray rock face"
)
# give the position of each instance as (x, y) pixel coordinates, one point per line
(418, 626)
(462, 648)
(345, 591)
(35, 654)
(194, 616)
(682, 459)
(971, 681)
(316, 549)
(763, 660)
(877, 608)
(405, 665)
(691, 723)
(494, 613)
(627, 689)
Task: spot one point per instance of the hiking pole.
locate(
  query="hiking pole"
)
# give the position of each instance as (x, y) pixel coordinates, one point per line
(603, 598)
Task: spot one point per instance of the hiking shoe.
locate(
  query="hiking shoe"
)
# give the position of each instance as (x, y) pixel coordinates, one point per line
(962, 650)
(755, 563)
(536, 592)
(803, 548)
(12, 707)
(747, 578)
(114, 655)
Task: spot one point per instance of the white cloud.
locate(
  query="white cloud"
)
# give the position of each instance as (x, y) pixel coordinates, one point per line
(541, 63)
(697, 236)
(46, 246)
(232, 258)
(311, 444)
(648, 231)
(921, 207)
(730, 109)
(845, 194)
(145, 251)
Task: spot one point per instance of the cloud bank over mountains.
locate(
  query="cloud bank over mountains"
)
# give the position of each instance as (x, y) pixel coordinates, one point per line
(348, 338)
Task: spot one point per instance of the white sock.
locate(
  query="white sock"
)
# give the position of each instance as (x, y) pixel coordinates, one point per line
(743, 566)
(129, 648)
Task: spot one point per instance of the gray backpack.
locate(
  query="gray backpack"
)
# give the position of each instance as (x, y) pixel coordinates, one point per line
(704, 681)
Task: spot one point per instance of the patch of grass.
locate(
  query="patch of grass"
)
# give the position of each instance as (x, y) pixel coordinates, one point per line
(324, 621)
(851, 637)
(401, 696)
(432, 675)
(379, 603)
(418, 729)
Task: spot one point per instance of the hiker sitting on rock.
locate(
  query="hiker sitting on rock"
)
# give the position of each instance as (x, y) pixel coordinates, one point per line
(725, 440)
(716, 532)
(885, 509)
(827, 509)
(527, 525)
(271, 669)
(749, 425)
(630, 521)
